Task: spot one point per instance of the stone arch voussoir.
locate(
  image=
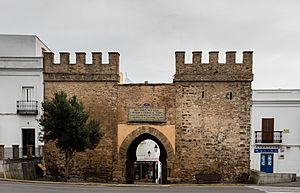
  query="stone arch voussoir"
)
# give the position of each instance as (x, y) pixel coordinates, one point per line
(149, 130)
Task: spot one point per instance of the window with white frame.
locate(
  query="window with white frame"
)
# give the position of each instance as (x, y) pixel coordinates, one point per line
(27, 93)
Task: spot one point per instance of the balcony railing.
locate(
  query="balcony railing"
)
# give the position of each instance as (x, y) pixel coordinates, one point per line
(27, 107)
(268, 136)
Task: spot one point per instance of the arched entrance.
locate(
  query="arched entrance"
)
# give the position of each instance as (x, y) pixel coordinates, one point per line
(147, 167)
(127, 153)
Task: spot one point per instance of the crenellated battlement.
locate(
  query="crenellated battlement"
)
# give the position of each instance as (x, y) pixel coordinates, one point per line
(213, 71)
(80, 70)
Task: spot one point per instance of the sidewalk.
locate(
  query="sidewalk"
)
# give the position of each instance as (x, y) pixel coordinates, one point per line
(120, 185)
(287, 184)
(86, 183)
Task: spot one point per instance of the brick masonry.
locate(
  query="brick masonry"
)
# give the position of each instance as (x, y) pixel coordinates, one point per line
(207, 104)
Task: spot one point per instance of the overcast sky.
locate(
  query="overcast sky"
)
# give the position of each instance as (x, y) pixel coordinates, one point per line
(148, 32)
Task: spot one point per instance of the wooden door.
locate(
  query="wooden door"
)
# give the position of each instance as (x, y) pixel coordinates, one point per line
(267, 130)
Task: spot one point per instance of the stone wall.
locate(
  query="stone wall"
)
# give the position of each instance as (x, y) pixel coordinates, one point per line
(97, 90)
(21, 168)
(64, 70)
(213, 132)
(213, 116)
(148, 96)
(152, 95)
(207, 113)
(213, 71)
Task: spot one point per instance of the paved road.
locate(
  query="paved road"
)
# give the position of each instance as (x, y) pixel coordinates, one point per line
(277, 189)
(21, 187)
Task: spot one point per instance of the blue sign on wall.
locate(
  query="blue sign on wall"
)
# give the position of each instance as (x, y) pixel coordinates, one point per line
(265, 150)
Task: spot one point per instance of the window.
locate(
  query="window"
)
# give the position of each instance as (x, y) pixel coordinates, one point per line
(267, 133)
(28, 104)
(27, 94)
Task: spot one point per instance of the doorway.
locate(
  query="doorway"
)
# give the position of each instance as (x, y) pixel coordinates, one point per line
(266, 163)
(28, 138)
(147, 172)
(149, 168)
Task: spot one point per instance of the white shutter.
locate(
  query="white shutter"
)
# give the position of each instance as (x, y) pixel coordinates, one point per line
(27, 94)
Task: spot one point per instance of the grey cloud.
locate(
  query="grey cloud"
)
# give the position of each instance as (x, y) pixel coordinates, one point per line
(147, 33)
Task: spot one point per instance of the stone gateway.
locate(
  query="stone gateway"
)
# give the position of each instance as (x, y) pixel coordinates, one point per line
(201, 121)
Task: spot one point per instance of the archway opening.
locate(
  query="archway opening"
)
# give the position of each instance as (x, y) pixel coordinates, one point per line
(147, 167)
(132, 159)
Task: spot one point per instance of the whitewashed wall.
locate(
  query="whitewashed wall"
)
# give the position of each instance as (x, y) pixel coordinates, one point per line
(142, 151)
(18, 72)
(21, 64)
(284, 106)
(21, 46)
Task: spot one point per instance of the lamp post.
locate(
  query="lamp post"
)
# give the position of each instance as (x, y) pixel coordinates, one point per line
(155, 148)
(149, 153)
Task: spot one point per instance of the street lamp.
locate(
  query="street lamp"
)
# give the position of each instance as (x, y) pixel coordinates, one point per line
(149, 153)
(155, 148)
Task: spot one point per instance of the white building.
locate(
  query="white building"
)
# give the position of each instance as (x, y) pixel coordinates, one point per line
(21, 85)
(275, 140)
(147, 164)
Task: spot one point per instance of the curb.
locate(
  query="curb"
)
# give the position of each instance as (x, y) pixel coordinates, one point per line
(85, 183)
(118, 185)
(146, 185)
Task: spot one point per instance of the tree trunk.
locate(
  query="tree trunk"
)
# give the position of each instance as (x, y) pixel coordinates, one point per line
(67, 161)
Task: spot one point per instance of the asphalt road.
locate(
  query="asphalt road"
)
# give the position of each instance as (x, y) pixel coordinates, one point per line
(23, 187)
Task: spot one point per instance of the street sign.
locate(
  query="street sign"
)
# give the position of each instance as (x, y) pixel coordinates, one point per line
(264, 150)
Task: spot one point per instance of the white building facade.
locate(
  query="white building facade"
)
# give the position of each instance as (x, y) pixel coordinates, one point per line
(21, 84)
(147, 164)
(275, 131)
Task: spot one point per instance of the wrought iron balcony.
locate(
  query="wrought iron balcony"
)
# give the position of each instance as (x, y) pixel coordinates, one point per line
(268, 136)
(27, 107)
